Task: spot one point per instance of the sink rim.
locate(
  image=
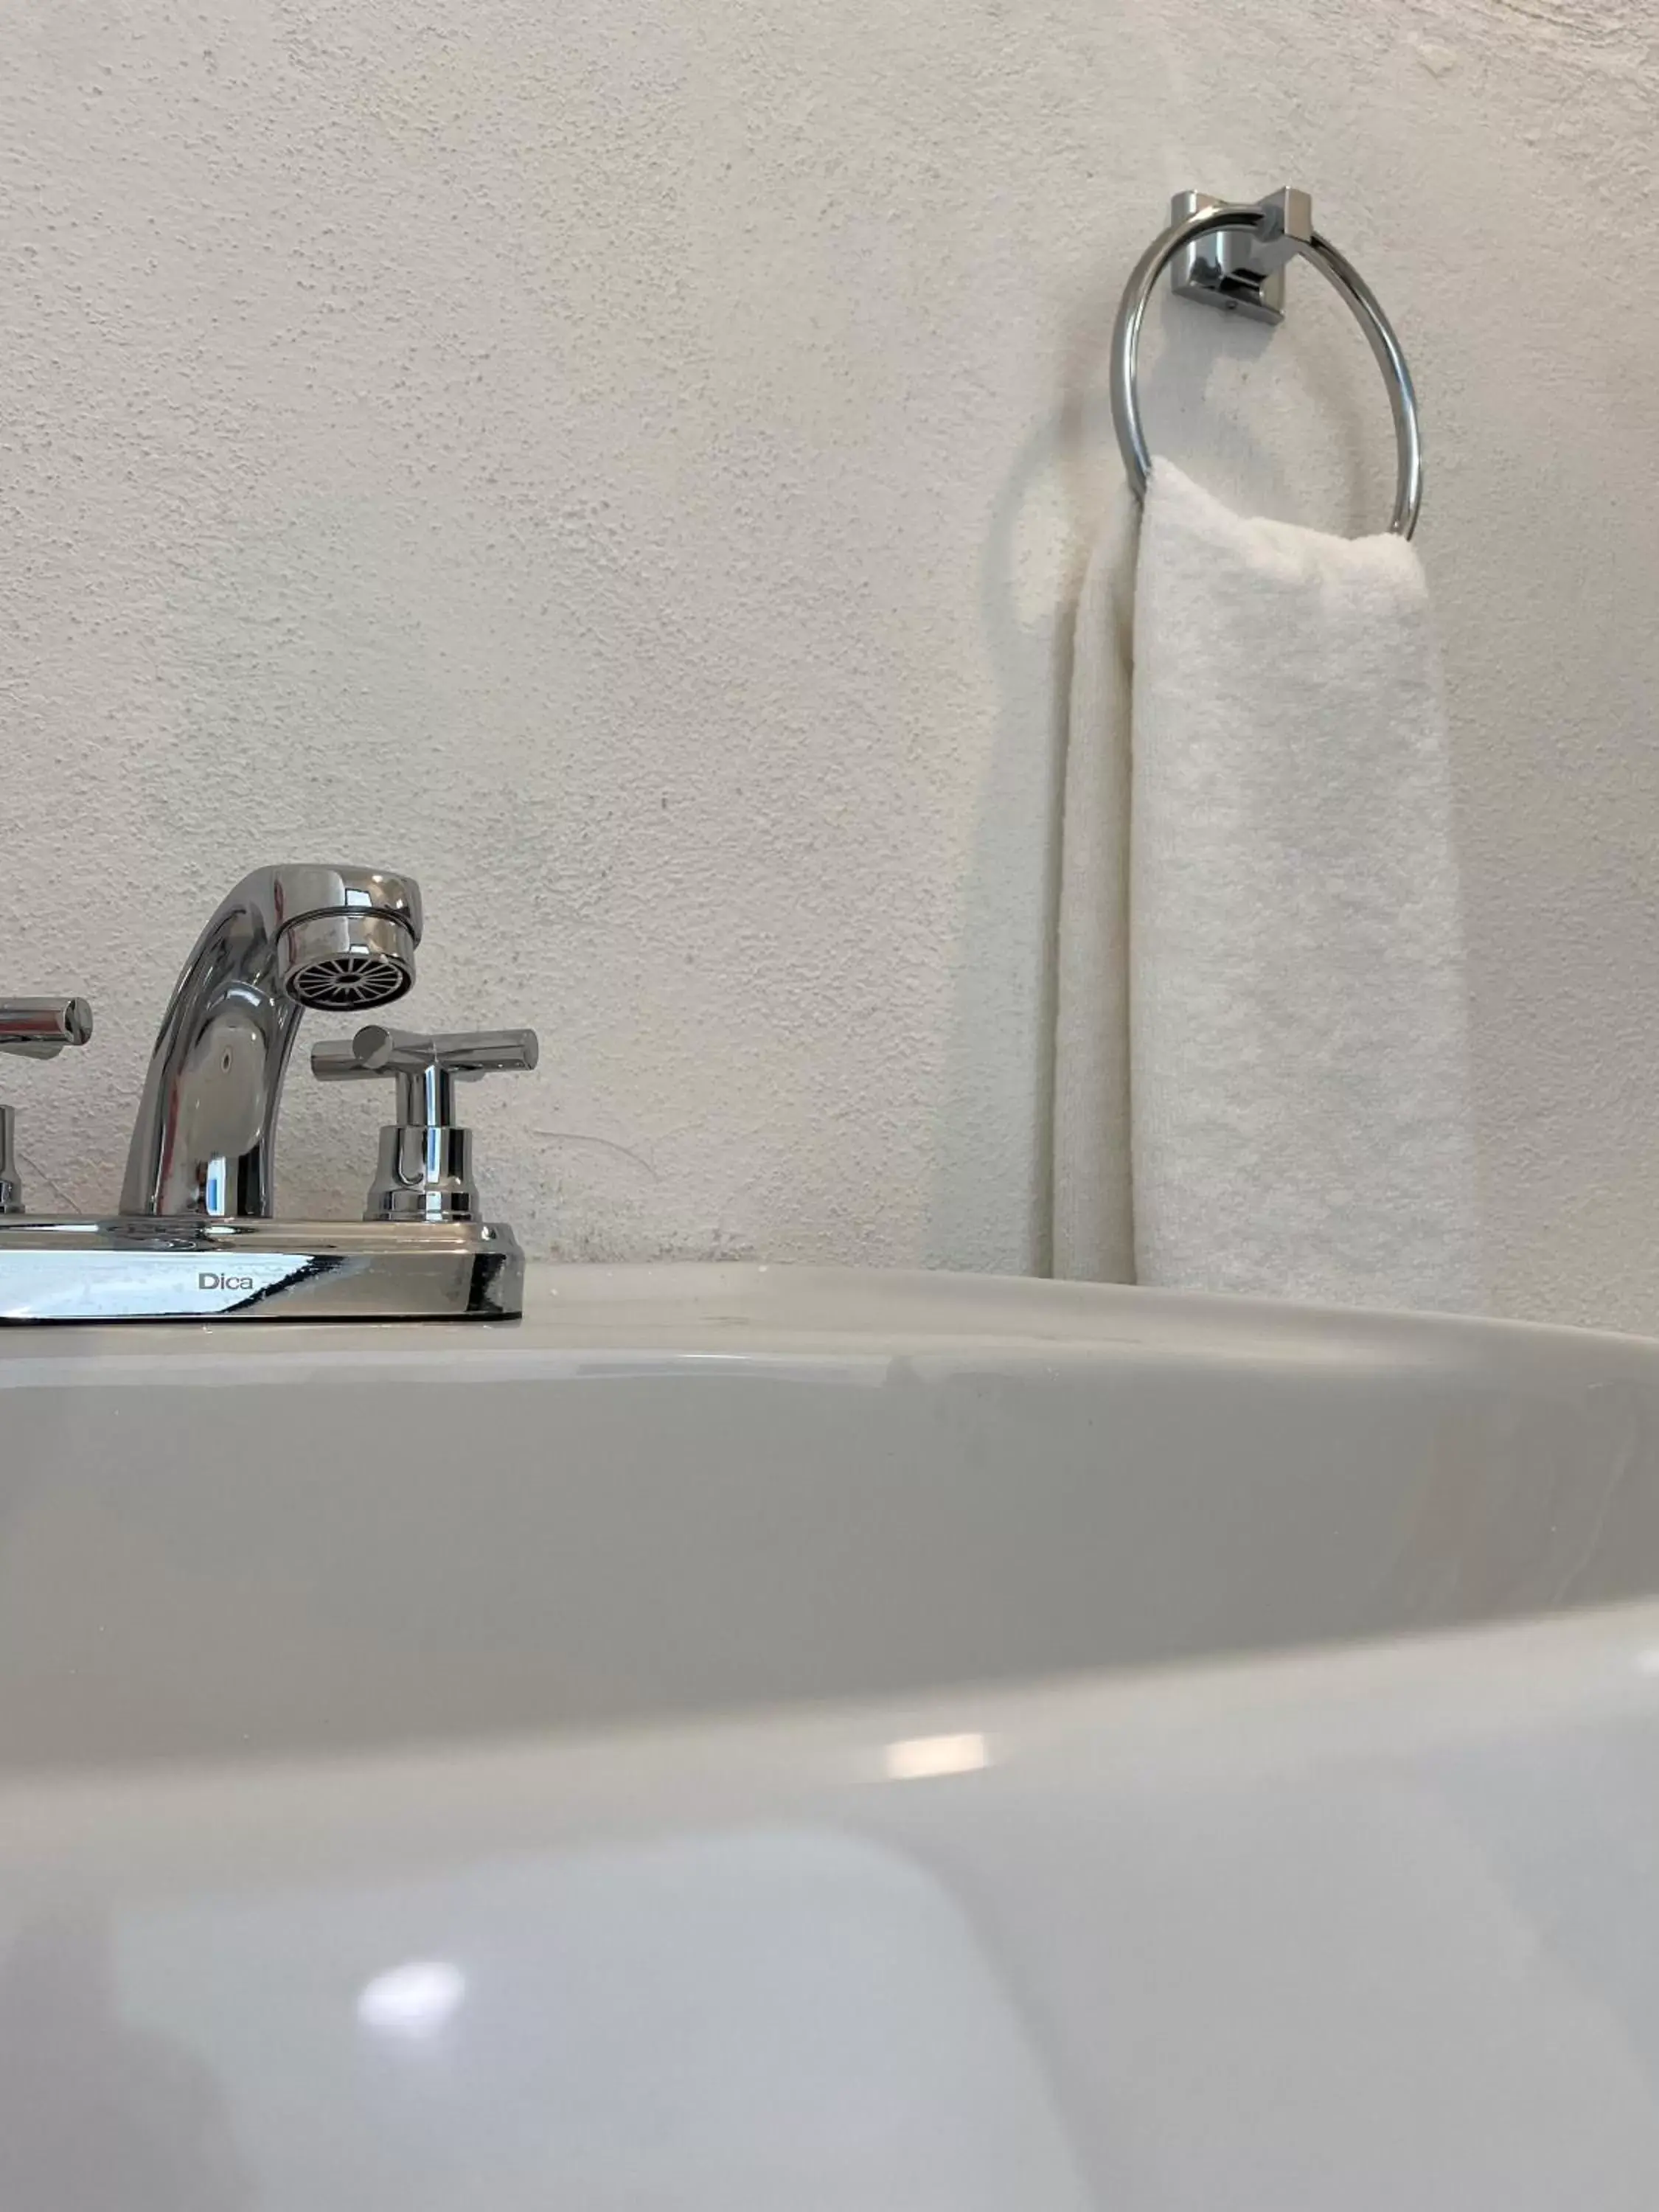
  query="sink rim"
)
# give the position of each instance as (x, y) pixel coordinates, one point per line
(755, 1309)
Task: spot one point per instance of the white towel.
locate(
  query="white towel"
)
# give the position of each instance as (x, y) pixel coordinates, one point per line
(1297, 1057)
(1092, 1219)
(1301, 1117)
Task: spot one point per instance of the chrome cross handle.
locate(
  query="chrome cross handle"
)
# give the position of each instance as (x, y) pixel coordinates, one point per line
(38, 1029)
(33, 1028)
(425, 1171)
(425, 1068)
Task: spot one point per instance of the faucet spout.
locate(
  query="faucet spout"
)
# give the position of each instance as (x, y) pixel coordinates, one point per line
(342, 940)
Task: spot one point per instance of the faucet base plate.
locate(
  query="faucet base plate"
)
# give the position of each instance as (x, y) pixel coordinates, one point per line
(134, 1268)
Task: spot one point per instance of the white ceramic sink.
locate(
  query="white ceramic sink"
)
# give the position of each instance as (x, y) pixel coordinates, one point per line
(751, 1739)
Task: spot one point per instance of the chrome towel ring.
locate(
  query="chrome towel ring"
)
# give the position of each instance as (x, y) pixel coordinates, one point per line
(1235, 256)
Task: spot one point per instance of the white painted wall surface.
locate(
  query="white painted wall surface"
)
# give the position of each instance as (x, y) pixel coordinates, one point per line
(628, 463)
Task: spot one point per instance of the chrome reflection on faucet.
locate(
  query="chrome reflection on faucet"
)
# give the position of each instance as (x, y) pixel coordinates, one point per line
(197, 1237)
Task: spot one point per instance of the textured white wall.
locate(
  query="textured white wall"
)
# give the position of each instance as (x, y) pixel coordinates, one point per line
(625, 462)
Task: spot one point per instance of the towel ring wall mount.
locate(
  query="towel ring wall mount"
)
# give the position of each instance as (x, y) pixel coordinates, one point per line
(1234, 255)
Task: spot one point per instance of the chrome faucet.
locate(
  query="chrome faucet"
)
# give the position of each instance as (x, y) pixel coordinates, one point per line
(340, 939)
(197, 1237)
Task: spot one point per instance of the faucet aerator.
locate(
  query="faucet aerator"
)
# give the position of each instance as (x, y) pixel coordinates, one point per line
(343, 963)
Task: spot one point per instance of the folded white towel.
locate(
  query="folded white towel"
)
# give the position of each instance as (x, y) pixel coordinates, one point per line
(1093, 1221)
(1300, 1107)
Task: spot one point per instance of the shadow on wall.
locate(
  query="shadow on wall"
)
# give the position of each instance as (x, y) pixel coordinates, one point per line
(1070, 464)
